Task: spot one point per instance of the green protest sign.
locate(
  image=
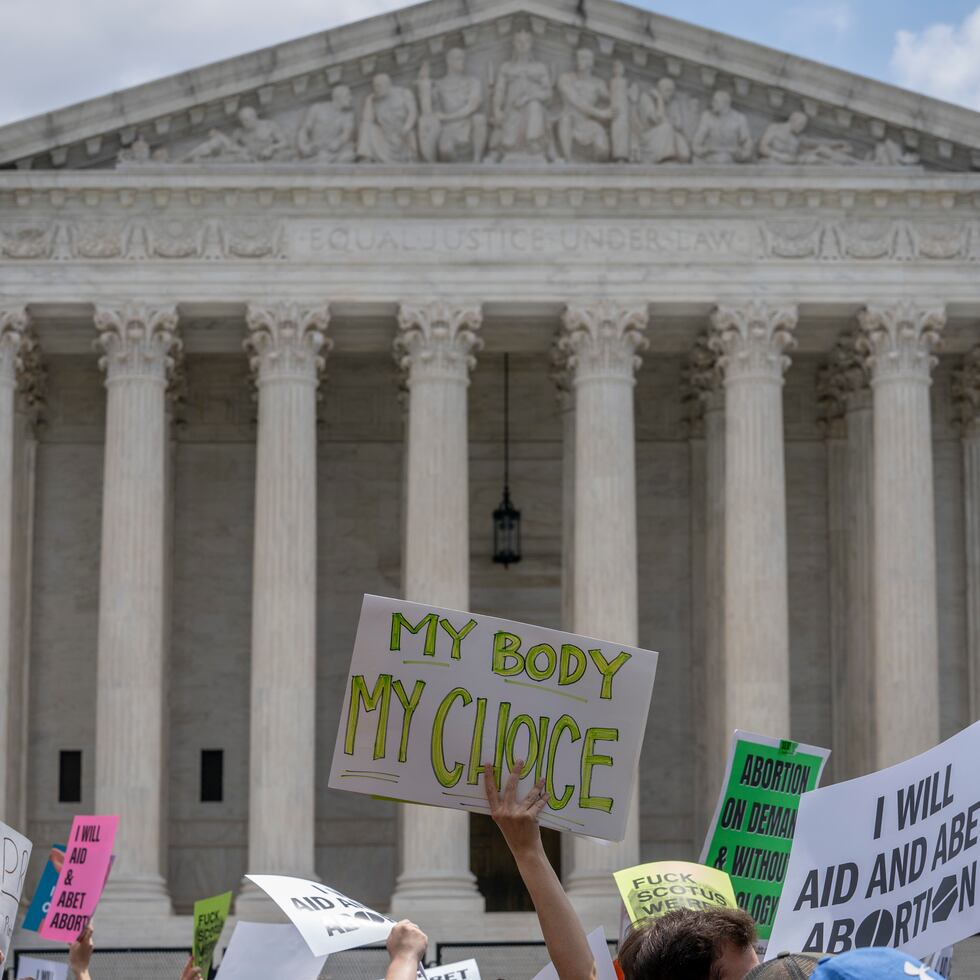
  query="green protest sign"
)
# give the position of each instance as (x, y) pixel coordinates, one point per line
(751, 834)
(209, 920)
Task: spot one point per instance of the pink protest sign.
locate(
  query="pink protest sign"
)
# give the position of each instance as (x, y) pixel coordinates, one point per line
(82, 878)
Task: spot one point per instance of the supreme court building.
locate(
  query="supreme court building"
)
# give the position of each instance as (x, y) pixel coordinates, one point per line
(253, 322)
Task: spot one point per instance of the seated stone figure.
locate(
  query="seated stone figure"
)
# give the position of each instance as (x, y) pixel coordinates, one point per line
(782, 142)
(451, 125)
(659, 133)
(585, 111)
(255, 140)
(723, 134)
(521, 93)
(388, 124)
(327, 132)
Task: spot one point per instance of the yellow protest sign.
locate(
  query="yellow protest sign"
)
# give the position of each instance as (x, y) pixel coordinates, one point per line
(652, 890)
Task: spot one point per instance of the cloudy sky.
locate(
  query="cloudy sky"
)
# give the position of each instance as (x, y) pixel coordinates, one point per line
(56, 52)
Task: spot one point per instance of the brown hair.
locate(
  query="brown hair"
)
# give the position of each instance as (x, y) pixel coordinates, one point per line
(684, 944)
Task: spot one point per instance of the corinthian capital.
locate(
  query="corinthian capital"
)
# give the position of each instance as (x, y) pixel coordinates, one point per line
(751, 340)
(287, 341)
(603, 339)
(438, 340)
(898, 340)
(15, 342)
(966, 391)
(137, 341)
(843, 382)
(703, 382)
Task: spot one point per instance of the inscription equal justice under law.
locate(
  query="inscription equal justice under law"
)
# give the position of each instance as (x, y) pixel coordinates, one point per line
(661, 241)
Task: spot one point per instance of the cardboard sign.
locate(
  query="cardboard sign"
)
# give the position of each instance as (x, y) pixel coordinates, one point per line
(604, 969)
(652, 890)
(209, 919)
(29, 968)
(328, 920)
(463, 970)
(751, 834)
(15, 853)
(889, 859)
(82, 878)
(268, 951)
(41, 901)
(434, 693)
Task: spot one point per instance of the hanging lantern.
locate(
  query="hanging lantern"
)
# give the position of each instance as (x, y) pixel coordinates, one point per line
(506, 518)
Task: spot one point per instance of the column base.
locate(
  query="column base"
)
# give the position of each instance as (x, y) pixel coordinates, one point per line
(449, 892)
(135, 896)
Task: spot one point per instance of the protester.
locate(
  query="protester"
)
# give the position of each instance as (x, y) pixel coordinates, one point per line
(691, 944)
(191, 972)
(518, 822)
(407, 944)
(787, 966)
(872, 964)
(80, 955)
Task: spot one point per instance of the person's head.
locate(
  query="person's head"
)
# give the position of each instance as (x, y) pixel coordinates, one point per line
(787, 966)
(666, 88)
(248, 117)
(691, 944)
(872, 964)
(341, 97)
(381, 84)
(522, 44)
(456, 60)
(721, 102)
(798, 121)
(584, 59)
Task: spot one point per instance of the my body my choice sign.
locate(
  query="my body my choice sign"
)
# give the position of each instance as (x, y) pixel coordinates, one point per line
(434, 693)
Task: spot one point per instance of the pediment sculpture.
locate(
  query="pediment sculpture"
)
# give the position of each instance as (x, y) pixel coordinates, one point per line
(524, 110)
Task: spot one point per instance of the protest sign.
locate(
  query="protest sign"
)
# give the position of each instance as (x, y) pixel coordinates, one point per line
(751, 833)
(268, 951)
(327, 920)
(941, 962)
(15, 852)
(433, 693)
(604, 969)
(464, 970)
(652, 890)
(889, 859)
(209, 920)
(41, 901)
(30, 968)
(82, 878)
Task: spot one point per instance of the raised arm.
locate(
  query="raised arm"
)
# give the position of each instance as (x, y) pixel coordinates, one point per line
(80, 955)
(518, 822)
(406, 947)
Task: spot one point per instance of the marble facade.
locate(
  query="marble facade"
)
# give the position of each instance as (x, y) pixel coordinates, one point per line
(741, 298)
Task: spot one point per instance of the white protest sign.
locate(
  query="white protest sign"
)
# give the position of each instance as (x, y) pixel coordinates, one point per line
(889, 859)
(433, 693)
(328, 920)
(941, 962)
(29, 968)
(15, 853)
(268, 951)
(463, 970)
(604, 969)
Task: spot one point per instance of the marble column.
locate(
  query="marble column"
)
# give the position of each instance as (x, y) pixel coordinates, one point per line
(28, 409)
(846, 398)
(751, 341)
(601, 341)
(137, 343)
(436, 346)
(898, 341)
(286, 345)
(14, 339)
(966, 390)
(707, 397)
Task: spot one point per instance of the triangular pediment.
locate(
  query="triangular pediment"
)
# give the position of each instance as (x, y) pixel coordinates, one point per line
(647, 99)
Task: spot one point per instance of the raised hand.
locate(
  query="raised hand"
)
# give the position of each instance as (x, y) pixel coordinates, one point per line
(80, 954)
(190, 971)
(517, 819)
